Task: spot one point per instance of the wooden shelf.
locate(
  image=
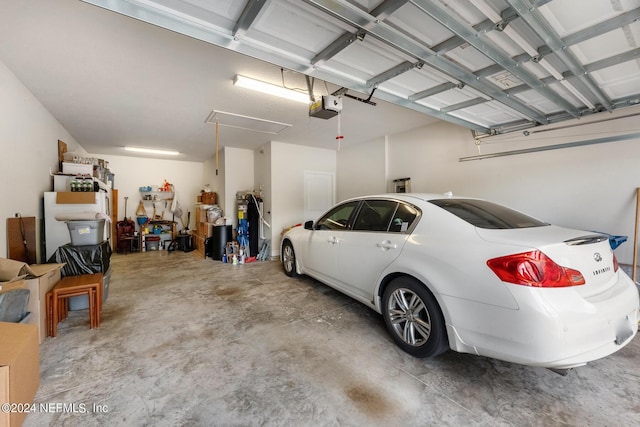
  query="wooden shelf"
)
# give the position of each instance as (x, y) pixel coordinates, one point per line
(164, 237)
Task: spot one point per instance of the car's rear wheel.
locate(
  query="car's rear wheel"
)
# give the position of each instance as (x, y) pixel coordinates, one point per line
(289, 259)
(413, 318)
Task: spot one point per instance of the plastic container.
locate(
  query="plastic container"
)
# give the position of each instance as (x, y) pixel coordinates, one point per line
(86, 232)
(82, 302)
(152, 243)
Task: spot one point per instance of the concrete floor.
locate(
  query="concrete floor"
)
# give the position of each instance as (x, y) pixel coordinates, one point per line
(187, 341)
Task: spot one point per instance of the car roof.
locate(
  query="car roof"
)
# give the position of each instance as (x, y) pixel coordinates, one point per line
(407, 197)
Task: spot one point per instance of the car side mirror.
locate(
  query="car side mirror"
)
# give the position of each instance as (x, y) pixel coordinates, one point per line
(308, 225)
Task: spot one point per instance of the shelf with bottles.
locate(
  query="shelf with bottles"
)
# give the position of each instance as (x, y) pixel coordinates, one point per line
(155, 195)
(161, 192)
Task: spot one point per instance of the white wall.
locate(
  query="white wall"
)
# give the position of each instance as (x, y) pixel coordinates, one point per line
(362, 169)
(132, 173)
(29, 137)
(239, 172)
(288, 164)
(427, 156)
(590, 187)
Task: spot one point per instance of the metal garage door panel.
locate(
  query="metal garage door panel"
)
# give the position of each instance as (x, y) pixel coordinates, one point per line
(412, 82)
(569, 16)
(366, 59)
(411, 20)
(583, 44)
(469, 57)
(221, 14)
(536, 100)
(618, 81)
(456, 96)
(295, 30)
(488, 114)
(609, 44)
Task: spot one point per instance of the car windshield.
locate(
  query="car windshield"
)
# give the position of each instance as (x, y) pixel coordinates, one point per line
(483, 214)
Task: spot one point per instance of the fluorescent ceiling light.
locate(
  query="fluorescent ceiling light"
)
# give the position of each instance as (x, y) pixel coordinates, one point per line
(151, 151)
(268, 88)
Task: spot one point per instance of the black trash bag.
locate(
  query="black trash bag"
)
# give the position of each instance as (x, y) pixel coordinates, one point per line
(86, 259)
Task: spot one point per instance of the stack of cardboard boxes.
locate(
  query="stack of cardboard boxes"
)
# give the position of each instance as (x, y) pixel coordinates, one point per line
(204, 229)
(19, 342)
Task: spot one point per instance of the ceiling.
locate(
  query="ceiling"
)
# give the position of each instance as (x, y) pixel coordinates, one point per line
(150, 74)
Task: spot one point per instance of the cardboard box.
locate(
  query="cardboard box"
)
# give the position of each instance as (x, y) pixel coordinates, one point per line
(75, 198)
(210, 227)
(7, 286)
(198, 243)
(39, 279)
(12, 270)
(202, 229)
(48, 276)
(208, 198)
(19, 369)
(201, 214)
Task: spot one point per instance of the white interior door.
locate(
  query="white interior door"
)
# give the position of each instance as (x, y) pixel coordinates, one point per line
(319, 194)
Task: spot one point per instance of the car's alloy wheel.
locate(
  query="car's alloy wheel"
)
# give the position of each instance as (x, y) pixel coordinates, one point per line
(289, 260)
(413, 318)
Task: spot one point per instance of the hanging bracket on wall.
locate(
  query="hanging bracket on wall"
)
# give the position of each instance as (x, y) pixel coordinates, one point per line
(343, 92)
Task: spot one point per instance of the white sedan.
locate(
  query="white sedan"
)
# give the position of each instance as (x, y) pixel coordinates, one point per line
(471, 276)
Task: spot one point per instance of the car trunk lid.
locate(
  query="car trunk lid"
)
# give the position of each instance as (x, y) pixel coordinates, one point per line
(589, 253)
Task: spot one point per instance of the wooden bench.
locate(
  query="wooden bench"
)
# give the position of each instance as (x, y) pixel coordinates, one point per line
(72, 286)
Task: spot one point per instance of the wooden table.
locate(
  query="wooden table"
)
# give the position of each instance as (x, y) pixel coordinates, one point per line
(71, 286)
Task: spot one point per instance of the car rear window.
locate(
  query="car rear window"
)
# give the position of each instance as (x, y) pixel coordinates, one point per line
(483, 214)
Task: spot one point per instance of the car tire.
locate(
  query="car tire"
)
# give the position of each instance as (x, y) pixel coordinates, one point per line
(413, 318)
(289, 259)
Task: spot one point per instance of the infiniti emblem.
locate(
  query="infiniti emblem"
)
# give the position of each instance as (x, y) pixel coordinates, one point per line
(597, 257)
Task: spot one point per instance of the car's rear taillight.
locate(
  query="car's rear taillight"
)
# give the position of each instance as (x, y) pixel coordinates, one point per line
(534, 269)
(615, 263)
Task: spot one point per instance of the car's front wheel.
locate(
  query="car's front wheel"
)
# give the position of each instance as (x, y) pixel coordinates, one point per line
(413, 318)
(289, 259)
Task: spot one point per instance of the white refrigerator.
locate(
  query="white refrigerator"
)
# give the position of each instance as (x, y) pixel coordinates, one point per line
(56, 232)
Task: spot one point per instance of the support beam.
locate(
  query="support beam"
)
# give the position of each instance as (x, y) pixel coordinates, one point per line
(352, 15)
(602, 28)
(536, 21)
(463, 105)
(384, 10)
(249, 14)
(433, 91)
(393, 72)
(336, 47)
(485, 46)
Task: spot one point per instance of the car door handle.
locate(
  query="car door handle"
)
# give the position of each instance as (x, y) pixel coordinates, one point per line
(387, 245)
(333, 240)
